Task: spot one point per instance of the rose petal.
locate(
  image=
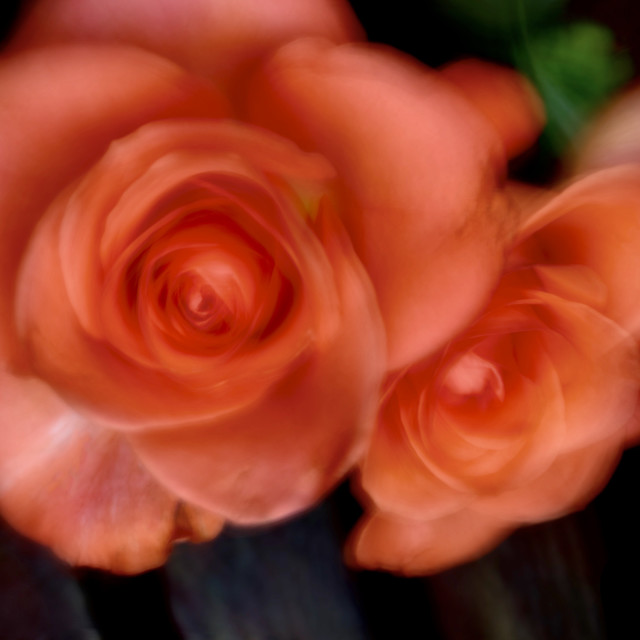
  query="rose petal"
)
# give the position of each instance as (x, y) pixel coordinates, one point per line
(212, 37)
(594, 222)
(528, 425)
(569, 484)
(80, 490)
(598, 367)
(94, 378)
(282, 454)
(82, 353)
(419, 164)
(414, 547)
(95, 95)
(114, 210)
(395, 477)
(504, 97)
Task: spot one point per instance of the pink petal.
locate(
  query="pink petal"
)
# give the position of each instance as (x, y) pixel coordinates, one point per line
(80, 489)
(415, 547)
(419, 168)
(212, 37)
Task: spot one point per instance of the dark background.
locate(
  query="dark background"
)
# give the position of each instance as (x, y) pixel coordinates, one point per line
(574, 578)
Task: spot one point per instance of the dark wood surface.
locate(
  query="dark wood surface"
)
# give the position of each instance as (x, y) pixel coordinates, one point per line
(575, 578)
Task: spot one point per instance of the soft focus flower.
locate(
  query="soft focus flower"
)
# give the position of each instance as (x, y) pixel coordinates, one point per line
(194, 225)
(523, 416)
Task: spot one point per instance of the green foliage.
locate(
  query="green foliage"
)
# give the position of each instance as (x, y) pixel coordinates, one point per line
(499, 18)
(575, 68)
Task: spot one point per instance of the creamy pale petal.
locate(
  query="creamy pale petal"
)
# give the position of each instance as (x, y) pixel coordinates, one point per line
(73, 98)
(80, 490)
(214, 37)
(612, 138)
(420, 167)
(280, 455)
(415, 547)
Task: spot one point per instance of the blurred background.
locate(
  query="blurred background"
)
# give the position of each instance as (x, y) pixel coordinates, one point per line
(574, 578)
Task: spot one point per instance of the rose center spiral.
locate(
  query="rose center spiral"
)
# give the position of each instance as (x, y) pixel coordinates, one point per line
(474, 378)
(208, 305)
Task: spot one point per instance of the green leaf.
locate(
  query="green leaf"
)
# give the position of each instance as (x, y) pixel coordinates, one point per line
(575, 68)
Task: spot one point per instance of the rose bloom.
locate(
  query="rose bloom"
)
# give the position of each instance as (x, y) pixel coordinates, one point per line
(215, 238)
(522, 417)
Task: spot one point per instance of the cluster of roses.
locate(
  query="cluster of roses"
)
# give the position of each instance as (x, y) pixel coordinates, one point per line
(244, 254)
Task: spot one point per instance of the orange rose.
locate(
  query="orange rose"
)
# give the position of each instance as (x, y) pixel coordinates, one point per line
(522, 417)
(187, 332)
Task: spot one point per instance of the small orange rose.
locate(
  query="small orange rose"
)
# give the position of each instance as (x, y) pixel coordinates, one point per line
(523, 416)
